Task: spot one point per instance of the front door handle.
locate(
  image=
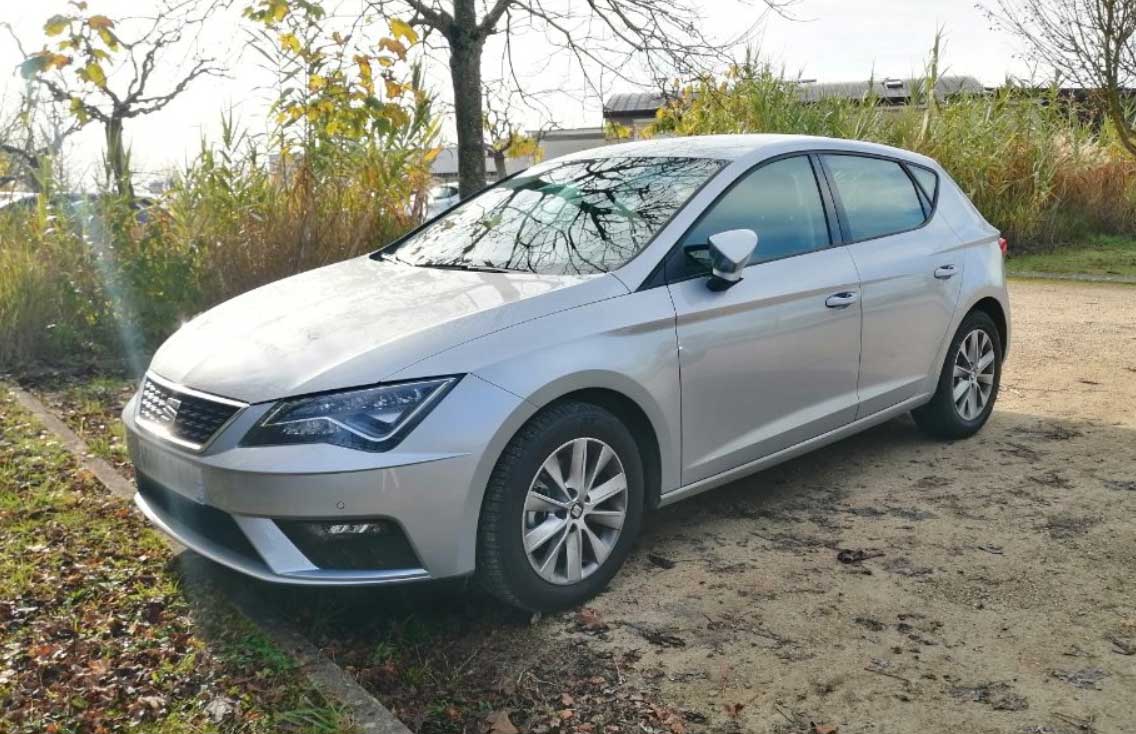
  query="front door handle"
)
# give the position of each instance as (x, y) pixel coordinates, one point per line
(946, 272)
(842, 300)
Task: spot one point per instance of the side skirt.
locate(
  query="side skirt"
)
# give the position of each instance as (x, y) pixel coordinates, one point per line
(804, 447)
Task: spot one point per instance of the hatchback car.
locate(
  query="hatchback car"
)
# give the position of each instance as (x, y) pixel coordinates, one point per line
(505, 391)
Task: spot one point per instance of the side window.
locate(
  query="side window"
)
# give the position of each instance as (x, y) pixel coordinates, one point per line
(927, 179)
(878, 197)
(780, 201)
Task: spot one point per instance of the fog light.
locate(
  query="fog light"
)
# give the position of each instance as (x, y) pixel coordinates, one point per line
(364, 544)
(363, 528)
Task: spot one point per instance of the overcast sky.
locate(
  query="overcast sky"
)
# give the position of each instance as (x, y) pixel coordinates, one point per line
(831, 40)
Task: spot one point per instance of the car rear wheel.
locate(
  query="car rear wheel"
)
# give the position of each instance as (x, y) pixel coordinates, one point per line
(968, 383)
(562, 509)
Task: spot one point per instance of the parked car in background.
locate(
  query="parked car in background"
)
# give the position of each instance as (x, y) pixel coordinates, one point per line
(77, 207)
(441, 198)
(506, 391)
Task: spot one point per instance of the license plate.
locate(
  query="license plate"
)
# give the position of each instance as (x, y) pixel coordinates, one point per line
(170, 470)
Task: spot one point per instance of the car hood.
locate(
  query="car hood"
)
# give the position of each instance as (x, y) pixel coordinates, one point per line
(356, 323)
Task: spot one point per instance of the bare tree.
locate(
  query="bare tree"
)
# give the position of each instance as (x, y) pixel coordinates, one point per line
(31, 139)
(1091, 43)
(505, 136)
(75, 73)
(601, 36)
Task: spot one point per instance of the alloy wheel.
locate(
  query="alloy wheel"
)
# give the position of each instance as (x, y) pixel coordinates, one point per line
(973, 379)
(574, 511)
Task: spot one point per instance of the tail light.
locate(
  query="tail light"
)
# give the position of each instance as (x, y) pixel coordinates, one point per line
(1003, 245)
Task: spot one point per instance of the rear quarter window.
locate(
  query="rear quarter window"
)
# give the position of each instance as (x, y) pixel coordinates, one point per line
(927, 179)
(877, 196)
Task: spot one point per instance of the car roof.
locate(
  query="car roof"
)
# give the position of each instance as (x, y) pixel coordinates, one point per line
(738, 147)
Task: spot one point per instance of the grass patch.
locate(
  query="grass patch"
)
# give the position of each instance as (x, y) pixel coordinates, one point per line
(1100, 255)
(97, 632)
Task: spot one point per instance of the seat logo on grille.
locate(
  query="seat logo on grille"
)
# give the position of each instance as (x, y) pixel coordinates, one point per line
(168, 410)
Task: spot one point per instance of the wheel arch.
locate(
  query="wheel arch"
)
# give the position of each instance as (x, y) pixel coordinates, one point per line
(630, 402)
(992, 307)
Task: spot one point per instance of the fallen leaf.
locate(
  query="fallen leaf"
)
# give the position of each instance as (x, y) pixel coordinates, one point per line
(589, 619)
(499, 723)
(824, 729)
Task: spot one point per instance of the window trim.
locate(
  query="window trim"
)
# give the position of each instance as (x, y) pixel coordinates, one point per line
(929, 207)
(932, 198)
(668, 271)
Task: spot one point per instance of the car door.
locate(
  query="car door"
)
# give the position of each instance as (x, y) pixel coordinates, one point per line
(910, 272)
(772, 360)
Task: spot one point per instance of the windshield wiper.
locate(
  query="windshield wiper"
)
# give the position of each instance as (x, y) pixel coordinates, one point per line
(393, 258)
(465, 266)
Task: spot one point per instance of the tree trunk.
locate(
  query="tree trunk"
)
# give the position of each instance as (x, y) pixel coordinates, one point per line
(117, 161)
(465, 70)
(499, 164)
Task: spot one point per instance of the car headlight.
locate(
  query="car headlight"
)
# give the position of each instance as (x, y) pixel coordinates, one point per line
(371, 419)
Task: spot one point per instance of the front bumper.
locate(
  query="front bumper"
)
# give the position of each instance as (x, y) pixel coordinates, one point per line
(239, 505)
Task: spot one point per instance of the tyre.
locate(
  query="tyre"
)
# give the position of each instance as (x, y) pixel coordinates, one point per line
(968, 383)
(563, 507)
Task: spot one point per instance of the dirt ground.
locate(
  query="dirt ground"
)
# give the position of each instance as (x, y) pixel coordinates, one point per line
(996, 590)
(1001, 594)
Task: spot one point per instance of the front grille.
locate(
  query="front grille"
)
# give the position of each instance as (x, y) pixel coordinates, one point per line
(214, 524)
(186, 417)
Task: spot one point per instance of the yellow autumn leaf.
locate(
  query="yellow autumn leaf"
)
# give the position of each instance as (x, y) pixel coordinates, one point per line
(79, 110)
(94, 73)
(431, 155)
(402, 29)
(56, 24)
(316, 83)
(394, 89)
(289, 42)
(57, 61)
(394, 46)
(279, 10)
(385, 62)
(108, 38)
(100, 22)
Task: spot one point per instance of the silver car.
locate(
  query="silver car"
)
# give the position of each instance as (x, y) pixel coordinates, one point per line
(506, 390)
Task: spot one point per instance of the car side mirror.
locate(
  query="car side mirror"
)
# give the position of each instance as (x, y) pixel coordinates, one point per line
(730, 252)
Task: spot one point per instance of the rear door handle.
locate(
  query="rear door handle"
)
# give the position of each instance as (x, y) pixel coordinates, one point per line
(842, 300)
(946, 272)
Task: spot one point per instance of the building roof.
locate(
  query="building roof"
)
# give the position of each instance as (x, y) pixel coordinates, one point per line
(889, 90)
(633, 104)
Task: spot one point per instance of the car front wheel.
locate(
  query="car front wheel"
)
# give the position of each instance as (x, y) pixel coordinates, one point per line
(562, 509)
(968, 383)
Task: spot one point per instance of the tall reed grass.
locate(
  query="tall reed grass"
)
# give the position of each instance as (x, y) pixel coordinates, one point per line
(1038, 168)
(103, 279)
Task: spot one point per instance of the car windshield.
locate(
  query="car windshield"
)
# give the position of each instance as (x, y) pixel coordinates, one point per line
(579, 217)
